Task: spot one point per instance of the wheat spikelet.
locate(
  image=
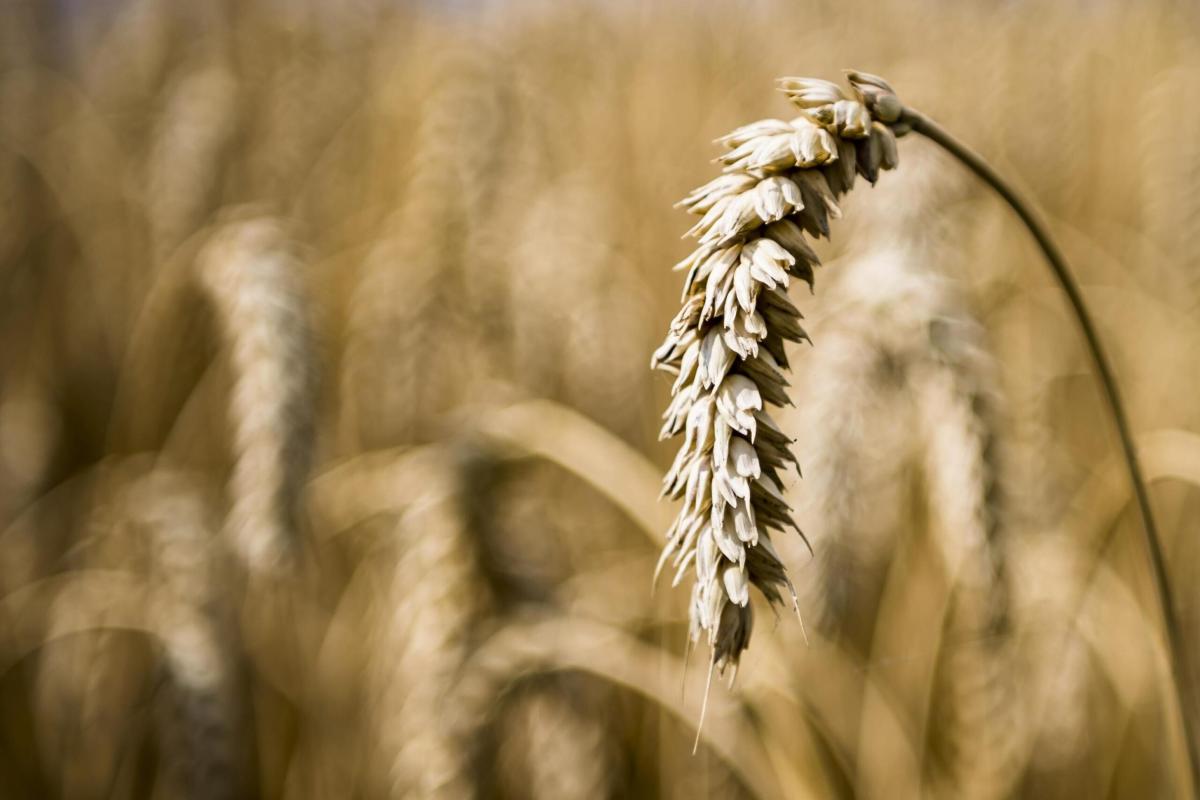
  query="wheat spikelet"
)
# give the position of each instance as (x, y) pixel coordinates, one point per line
(726, 346)
(255, 285)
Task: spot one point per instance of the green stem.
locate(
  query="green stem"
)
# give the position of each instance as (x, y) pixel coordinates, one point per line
(1062, 273)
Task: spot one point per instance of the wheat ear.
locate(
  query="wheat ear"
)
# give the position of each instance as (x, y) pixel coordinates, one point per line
(434, 599)
(253, 280)
(726, 346)
(957, 403)
(198, 720)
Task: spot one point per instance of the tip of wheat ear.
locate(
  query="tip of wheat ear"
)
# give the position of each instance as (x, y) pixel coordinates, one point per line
(780, 185)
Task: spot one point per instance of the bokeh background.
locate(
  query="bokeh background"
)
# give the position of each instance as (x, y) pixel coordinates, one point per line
(328, 446)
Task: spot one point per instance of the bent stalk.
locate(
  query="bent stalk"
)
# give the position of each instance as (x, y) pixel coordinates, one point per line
(919, 123)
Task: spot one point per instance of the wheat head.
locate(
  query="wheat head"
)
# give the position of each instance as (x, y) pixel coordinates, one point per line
(781, 181)
(253, 280)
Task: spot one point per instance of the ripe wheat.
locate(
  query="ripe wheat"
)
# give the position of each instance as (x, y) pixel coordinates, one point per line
(726, 346)
(254, 283)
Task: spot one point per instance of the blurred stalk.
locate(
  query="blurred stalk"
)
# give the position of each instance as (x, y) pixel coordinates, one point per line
(1058, 265)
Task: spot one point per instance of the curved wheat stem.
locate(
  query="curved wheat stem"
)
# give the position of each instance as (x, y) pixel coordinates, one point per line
(254, 283)
(1182, 683)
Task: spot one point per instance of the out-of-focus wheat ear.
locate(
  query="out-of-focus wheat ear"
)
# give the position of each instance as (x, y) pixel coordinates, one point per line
(533, 644)
(434, 597)
(198, 721)
(183, 168)
(89, 681)
(255, 284)
(97, 646)
(860, 446)
(404, 318)
(957, 402)
(90, 676)
(555, 312)
(554, 749)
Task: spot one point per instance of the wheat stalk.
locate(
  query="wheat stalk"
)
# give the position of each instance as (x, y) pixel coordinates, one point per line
(726, 346)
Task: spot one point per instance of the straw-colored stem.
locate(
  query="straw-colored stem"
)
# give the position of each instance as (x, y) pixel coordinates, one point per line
(1062, 273)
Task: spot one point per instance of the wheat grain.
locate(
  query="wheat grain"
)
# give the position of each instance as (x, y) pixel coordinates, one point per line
(726, 346)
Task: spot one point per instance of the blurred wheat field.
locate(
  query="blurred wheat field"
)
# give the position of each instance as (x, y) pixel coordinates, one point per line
(328, 447)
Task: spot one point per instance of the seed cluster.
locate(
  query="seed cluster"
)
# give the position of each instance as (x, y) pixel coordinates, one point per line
(781, 182)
